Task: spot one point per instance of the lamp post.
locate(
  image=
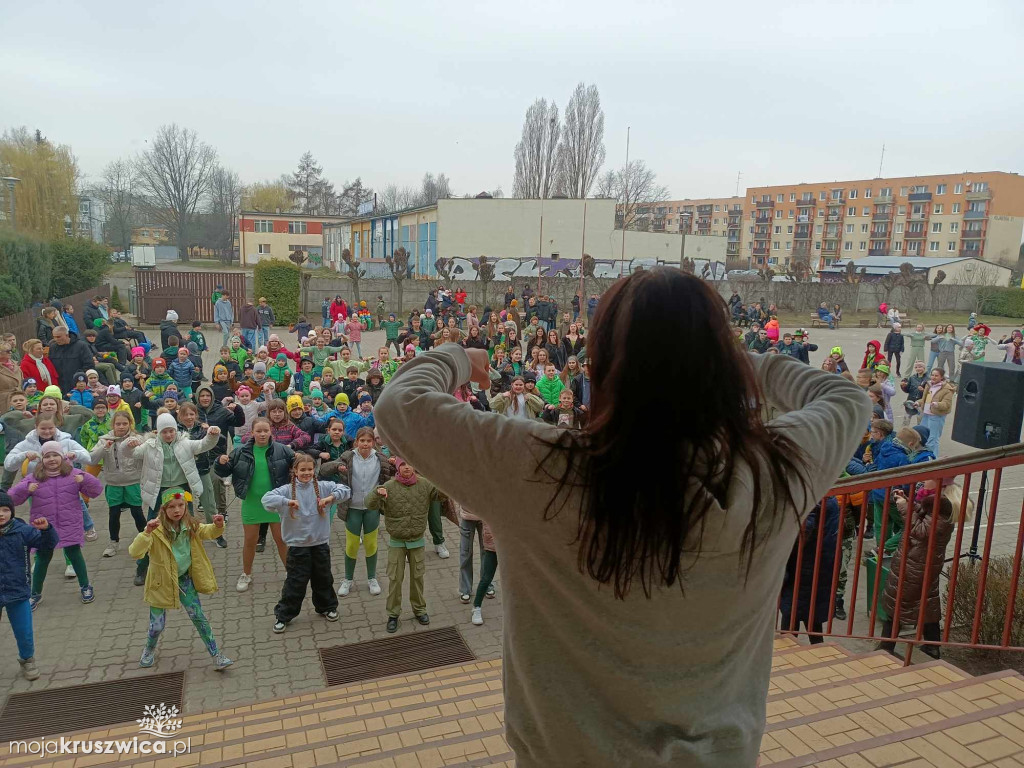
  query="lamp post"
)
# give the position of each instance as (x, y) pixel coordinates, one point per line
(684, 226)
(11, 181)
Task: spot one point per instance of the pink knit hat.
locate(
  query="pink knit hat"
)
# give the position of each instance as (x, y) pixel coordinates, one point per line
(51, 446)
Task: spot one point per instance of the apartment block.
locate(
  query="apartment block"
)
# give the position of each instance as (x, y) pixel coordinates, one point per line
(714, 217)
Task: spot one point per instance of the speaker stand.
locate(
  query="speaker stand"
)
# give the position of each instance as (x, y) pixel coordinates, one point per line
(980, 509)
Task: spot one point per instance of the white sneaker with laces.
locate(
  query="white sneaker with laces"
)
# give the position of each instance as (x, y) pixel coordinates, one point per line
(478, 616)
(442, 551)
(345, 587)
(243, 582)
(111, 549)
(91, 535)
(69, 572)
(374, 586)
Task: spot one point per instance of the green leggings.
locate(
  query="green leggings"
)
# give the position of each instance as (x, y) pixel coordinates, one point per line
(73, 554)
(365, 522)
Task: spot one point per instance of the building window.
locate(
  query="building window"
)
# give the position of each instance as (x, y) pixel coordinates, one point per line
(903, 191)
(718, 208)
(849, 229)
(817, 229)
(789, 230)
(789, 245)
(775, 245)
(792, 197)
(145, 233)
(821, 213)
(753, 199)
(778, 214)
(954, 226)
(901, 210)
(897, 245)
(778, 230)
(863, 246)
(937, 209)
(867, 211)
(780, 198)
(956, 207)
(899, 229)
(958, 189)
(979, 186)
(863, 227)
(886, 191)
(296, 227)
(867, 193)
(852, 194)
(263, 248)
(933, 246)
(847, 246)
(790, 214)
(716, 222)
(936, 227)
(817, 245)
(940, 189)
(851, 211)
(951, 246)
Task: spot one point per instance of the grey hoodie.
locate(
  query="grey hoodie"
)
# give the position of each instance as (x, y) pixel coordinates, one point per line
(305, 526)
(120, 467)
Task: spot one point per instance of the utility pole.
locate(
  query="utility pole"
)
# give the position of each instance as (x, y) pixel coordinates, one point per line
(625, 206)
(880, 160)
(738, 175)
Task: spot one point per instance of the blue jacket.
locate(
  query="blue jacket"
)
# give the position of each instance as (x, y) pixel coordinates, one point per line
(826, 566)
(823, 313)
(885, 454)
(17, 538)
(80, 397)
(353, 421)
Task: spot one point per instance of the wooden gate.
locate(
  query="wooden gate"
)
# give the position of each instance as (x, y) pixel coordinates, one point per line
(187, 293)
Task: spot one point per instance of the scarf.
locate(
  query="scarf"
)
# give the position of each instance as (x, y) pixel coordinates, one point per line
(44, 372)
(398, 475)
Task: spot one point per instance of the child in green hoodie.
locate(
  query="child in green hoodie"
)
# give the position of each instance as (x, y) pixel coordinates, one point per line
(279, 370)
(392, 327)
(550, 385)
(99, 424)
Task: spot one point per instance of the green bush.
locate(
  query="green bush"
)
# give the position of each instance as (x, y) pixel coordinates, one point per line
(115, 300)
(278, 281)
(11, 300)
(26, 262)
(78, 265)
(1003, 302)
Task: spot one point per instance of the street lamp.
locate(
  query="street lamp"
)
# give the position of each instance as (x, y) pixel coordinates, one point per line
(11, 181)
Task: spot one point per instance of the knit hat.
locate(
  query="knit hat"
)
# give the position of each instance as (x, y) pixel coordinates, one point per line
(192, 347)
(877, 412)
(315, 387)
(837, 351)
(159, 361)
(97, 323)
(51, 446)
(514, 303)
(243, 387)
(172, 316)
(799, 333)
(114, 390)
(53, 391)
(273, 337)
(281, 356)
(5, 501)
(165, 421)
(126, 377)
(138, 352)
(365, 396)
(882, 368)
(259, 367)
(530, 376)
(340, 398)
(294, 401)
(924, 432)
(174, 493)
(263, 348)
(409, 348)
(91, 372)
(28, 381)
(79, 377)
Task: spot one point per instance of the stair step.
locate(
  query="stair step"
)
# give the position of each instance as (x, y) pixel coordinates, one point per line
(862, 666)
(806, 655)
(868, 725)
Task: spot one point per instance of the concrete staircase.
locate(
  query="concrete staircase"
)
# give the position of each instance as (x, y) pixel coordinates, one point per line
(826, 707)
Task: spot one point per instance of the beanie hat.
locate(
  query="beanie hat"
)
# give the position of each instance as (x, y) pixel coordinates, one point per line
(259, 367)
(97, 323)
(126, 377)
(273, 337)
(28, 381)
(172, 316)
(882, 368)
(281, 356)
(138, 352)
(409, 348)
(79, 377)
(113, 389)
(341, 398)
(51, 446)
(159, 361)
(837, 351)
(165, 421)
(877, 412)
(530, 376)
(92, 372)
(365, 396)
(294, 401)
(243, 387)
(5, 501)
(192, 347)
(52, 391)
(315, 386)
(924, 432)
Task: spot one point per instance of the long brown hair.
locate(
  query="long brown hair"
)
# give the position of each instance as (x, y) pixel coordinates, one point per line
(639, 532)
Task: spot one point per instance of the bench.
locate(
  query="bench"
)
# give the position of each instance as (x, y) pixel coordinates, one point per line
(817, 322)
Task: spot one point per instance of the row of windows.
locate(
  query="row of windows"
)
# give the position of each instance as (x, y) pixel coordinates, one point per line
(934, 246)
(267, 225)
(954, 227)
(837, 194)
(938, 209)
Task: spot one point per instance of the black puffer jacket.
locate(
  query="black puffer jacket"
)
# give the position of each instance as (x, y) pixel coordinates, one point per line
(241, 466)
(219, 416)
(167, 329)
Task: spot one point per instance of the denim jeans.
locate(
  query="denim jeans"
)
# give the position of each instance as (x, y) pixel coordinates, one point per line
(225, 329)
(263, 336)
(249, 334)
(467, 528)
(19, 613)
(935, 425)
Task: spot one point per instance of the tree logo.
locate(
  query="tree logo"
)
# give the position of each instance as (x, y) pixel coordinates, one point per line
(159, 720)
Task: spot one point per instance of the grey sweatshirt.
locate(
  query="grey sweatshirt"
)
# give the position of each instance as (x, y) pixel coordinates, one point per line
(305, 526)
(673, 680)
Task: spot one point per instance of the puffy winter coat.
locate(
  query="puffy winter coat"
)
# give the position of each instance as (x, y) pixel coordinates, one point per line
(31, 444)
(241, 466)
(942, 400)
(534, 404)
(221, 416)
(168, 328)
(406, 508)
(825, 566)
(886, 454)
(120, 465)
(917, 555)
(162, 577)
(58, 499)
(151, 456)
(387, 471)
(894, 342)
(17, 539)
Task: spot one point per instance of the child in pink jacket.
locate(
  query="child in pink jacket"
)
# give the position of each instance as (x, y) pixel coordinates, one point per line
(354, 331)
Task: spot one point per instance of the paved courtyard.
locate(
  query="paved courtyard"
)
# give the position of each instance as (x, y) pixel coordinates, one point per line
(79, 643)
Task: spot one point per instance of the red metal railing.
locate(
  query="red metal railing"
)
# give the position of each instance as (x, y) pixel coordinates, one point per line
(963, 468)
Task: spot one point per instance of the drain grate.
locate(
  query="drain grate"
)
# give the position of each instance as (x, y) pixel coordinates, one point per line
(87, 707)
(399, 655)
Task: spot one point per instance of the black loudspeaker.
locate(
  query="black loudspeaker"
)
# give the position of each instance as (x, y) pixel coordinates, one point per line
(989, 405)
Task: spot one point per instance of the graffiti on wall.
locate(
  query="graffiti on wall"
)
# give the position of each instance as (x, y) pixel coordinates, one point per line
(508, 269)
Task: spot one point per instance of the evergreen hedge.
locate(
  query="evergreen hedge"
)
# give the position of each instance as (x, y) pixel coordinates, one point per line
(25, 262)
(1004, 302)
(278, 281)
(78, 265)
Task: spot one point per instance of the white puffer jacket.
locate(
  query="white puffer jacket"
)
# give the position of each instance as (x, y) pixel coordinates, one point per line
(152, 457)
(121, 466)
(31, 444)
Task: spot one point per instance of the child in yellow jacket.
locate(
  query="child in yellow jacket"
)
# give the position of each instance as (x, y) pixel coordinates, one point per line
(179, 570)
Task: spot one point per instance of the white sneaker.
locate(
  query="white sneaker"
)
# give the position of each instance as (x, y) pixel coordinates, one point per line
(69, 572)
(91, 535)
(374, 586)
(345, 587)
(243, 582)
(478, 616)
(111, 549)
(442, 551)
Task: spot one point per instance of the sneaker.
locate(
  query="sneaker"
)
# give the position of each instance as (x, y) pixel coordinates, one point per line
(279, 627)
(91, 535)
(219, 541)
(478, 616)
(69, 572)
(260, 545)
(840, 613)
(87, 594)
(139, 580)
(34, 600)
(331, 615)
(345, 587)
(392, 624)
(490, 592)
(111, 549)
(148, 657)
(442, 551)
(465, 598)
(29, 670)
(222, 662)
(243, 582)
(423, 619)
(374, 586)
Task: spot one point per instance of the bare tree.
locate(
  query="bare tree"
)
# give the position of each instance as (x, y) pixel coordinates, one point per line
(175, 175)
(399, 266)
(119, 194)
(355, 271)
(536, 152)
(606, 185)
(394, 198)
(434, 189)
(497, 193)
(484, 276)
(637, 189)
(581, 152)
(225, 200)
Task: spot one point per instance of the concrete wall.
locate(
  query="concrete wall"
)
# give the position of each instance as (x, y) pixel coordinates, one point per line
(1003, 239)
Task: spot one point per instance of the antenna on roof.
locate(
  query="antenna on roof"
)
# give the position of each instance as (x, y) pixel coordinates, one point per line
(738, 175)
(880, 162)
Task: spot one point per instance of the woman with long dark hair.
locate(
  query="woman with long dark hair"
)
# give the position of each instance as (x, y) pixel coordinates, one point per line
(640, 594)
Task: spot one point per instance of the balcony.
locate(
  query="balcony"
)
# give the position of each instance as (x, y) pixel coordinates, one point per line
(881, 216)
(760, 251)
(984, 195)
(765, 203)
(763, 219)
(836, 201)
(917, 235)
(802, 234)
(732, 249)
(806, 203)
(971, 253)
(703, 210)
(975, 215)
(733, 238)
(917, 217)
(878, 252)
(972, 234)
(834, 217)
(883, 199)
(919, 197)
(880, 233)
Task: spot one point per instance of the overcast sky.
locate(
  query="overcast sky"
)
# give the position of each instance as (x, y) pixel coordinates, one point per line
(781, 91)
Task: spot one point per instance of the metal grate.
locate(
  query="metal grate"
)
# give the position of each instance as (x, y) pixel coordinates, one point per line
(87, 707)
(399, 655)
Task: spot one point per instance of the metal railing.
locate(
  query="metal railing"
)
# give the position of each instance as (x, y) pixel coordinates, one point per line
(847, 491)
